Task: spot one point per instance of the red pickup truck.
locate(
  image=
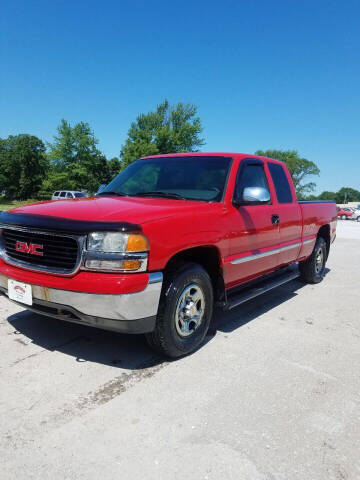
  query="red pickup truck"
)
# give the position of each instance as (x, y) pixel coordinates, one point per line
(170, 237)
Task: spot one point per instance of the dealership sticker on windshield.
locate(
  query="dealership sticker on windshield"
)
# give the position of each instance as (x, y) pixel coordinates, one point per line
(20, 292)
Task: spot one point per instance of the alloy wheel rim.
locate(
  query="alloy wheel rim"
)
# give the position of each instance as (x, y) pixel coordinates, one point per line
(189, 310)
(319, 260)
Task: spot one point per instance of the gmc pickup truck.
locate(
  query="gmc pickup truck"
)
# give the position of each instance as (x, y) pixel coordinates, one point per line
(170, 237)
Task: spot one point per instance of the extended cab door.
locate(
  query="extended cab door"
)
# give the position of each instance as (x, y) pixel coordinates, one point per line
(254, 233)
(288, 210)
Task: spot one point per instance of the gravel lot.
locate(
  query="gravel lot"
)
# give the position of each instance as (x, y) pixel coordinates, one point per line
(273, 394)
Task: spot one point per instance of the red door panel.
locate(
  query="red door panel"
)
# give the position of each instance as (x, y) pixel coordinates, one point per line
(290, 232)
(252, 239)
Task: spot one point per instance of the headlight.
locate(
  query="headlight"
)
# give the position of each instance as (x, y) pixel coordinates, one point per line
(115, 242)
(116, 252)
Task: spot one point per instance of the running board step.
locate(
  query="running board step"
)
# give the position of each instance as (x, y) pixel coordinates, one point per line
(260, 288)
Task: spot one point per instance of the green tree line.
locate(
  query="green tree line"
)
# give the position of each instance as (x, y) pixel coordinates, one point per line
(30, 168)
(344, 195)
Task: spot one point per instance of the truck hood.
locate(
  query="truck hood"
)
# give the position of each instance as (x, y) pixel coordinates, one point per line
(112, 209)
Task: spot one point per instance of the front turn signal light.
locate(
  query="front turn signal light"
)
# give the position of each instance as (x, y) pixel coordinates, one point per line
(130, 265)
(117, 265)
(137, 243)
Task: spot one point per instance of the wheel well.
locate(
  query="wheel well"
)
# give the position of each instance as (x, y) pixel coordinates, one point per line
(209, 258)
(324, 232)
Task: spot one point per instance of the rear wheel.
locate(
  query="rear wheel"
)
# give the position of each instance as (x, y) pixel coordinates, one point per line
(185, 312)
(358, 219)
(312, 269)
(343, 217)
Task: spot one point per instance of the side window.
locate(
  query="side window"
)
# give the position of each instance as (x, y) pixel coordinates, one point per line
(250, 176)
(282, 187)
(62, 194)
(56, 194)
(69, 195)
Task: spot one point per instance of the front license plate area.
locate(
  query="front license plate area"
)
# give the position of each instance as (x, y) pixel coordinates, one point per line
(20, 292)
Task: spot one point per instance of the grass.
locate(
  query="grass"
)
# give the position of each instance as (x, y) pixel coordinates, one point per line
(8, 204)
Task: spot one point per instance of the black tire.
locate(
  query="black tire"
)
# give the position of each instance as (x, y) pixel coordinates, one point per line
(358, 219)
(343, 217)
(166, 338)
(311, 270)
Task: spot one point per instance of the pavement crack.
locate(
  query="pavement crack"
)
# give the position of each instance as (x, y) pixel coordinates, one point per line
(28, 356)
(49, 349)
(117, 386)
(96, 398)
(309, 369)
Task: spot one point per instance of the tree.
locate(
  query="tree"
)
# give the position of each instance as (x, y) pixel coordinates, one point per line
(113, 168)
(170, 129)
(344, 195)
(23, 165)
(347, 194)
(326, 195)
(299, 168)
(75, 159)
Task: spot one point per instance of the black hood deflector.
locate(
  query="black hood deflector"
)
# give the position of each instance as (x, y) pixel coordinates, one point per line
(66, 225)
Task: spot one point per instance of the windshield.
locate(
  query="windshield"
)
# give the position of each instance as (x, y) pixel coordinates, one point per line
(191, 178)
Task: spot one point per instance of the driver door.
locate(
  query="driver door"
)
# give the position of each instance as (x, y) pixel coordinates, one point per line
(255, 234)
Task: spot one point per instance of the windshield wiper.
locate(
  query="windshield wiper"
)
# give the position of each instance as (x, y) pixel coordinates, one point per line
(118, 194)
(160, 194)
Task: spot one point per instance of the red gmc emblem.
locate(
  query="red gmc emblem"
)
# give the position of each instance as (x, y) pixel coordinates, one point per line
(30, 248)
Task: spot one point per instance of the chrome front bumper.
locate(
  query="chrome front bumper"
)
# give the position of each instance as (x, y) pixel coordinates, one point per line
(132, 312)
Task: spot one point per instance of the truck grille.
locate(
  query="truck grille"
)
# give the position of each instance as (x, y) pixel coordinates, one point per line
(59, 253)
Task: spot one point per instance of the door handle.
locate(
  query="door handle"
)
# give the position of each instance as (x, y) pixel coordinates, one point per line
(275, 219)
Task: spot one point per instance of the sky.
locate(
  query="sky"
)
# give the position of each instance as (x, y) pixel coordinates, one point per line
(265, 74)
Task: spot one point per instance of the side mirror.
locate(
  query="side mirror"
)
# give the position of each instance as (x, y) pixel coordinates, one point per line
(254, 196)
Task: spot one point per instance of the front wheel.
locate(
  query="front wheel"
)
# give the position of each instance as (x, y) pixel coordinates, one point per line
(185, 312)
(312, 269)
(358, 219)
(343, 217)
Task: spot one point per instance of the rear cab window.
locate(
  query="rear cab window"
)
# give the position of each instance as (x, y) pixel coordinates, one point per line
(281, 183)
